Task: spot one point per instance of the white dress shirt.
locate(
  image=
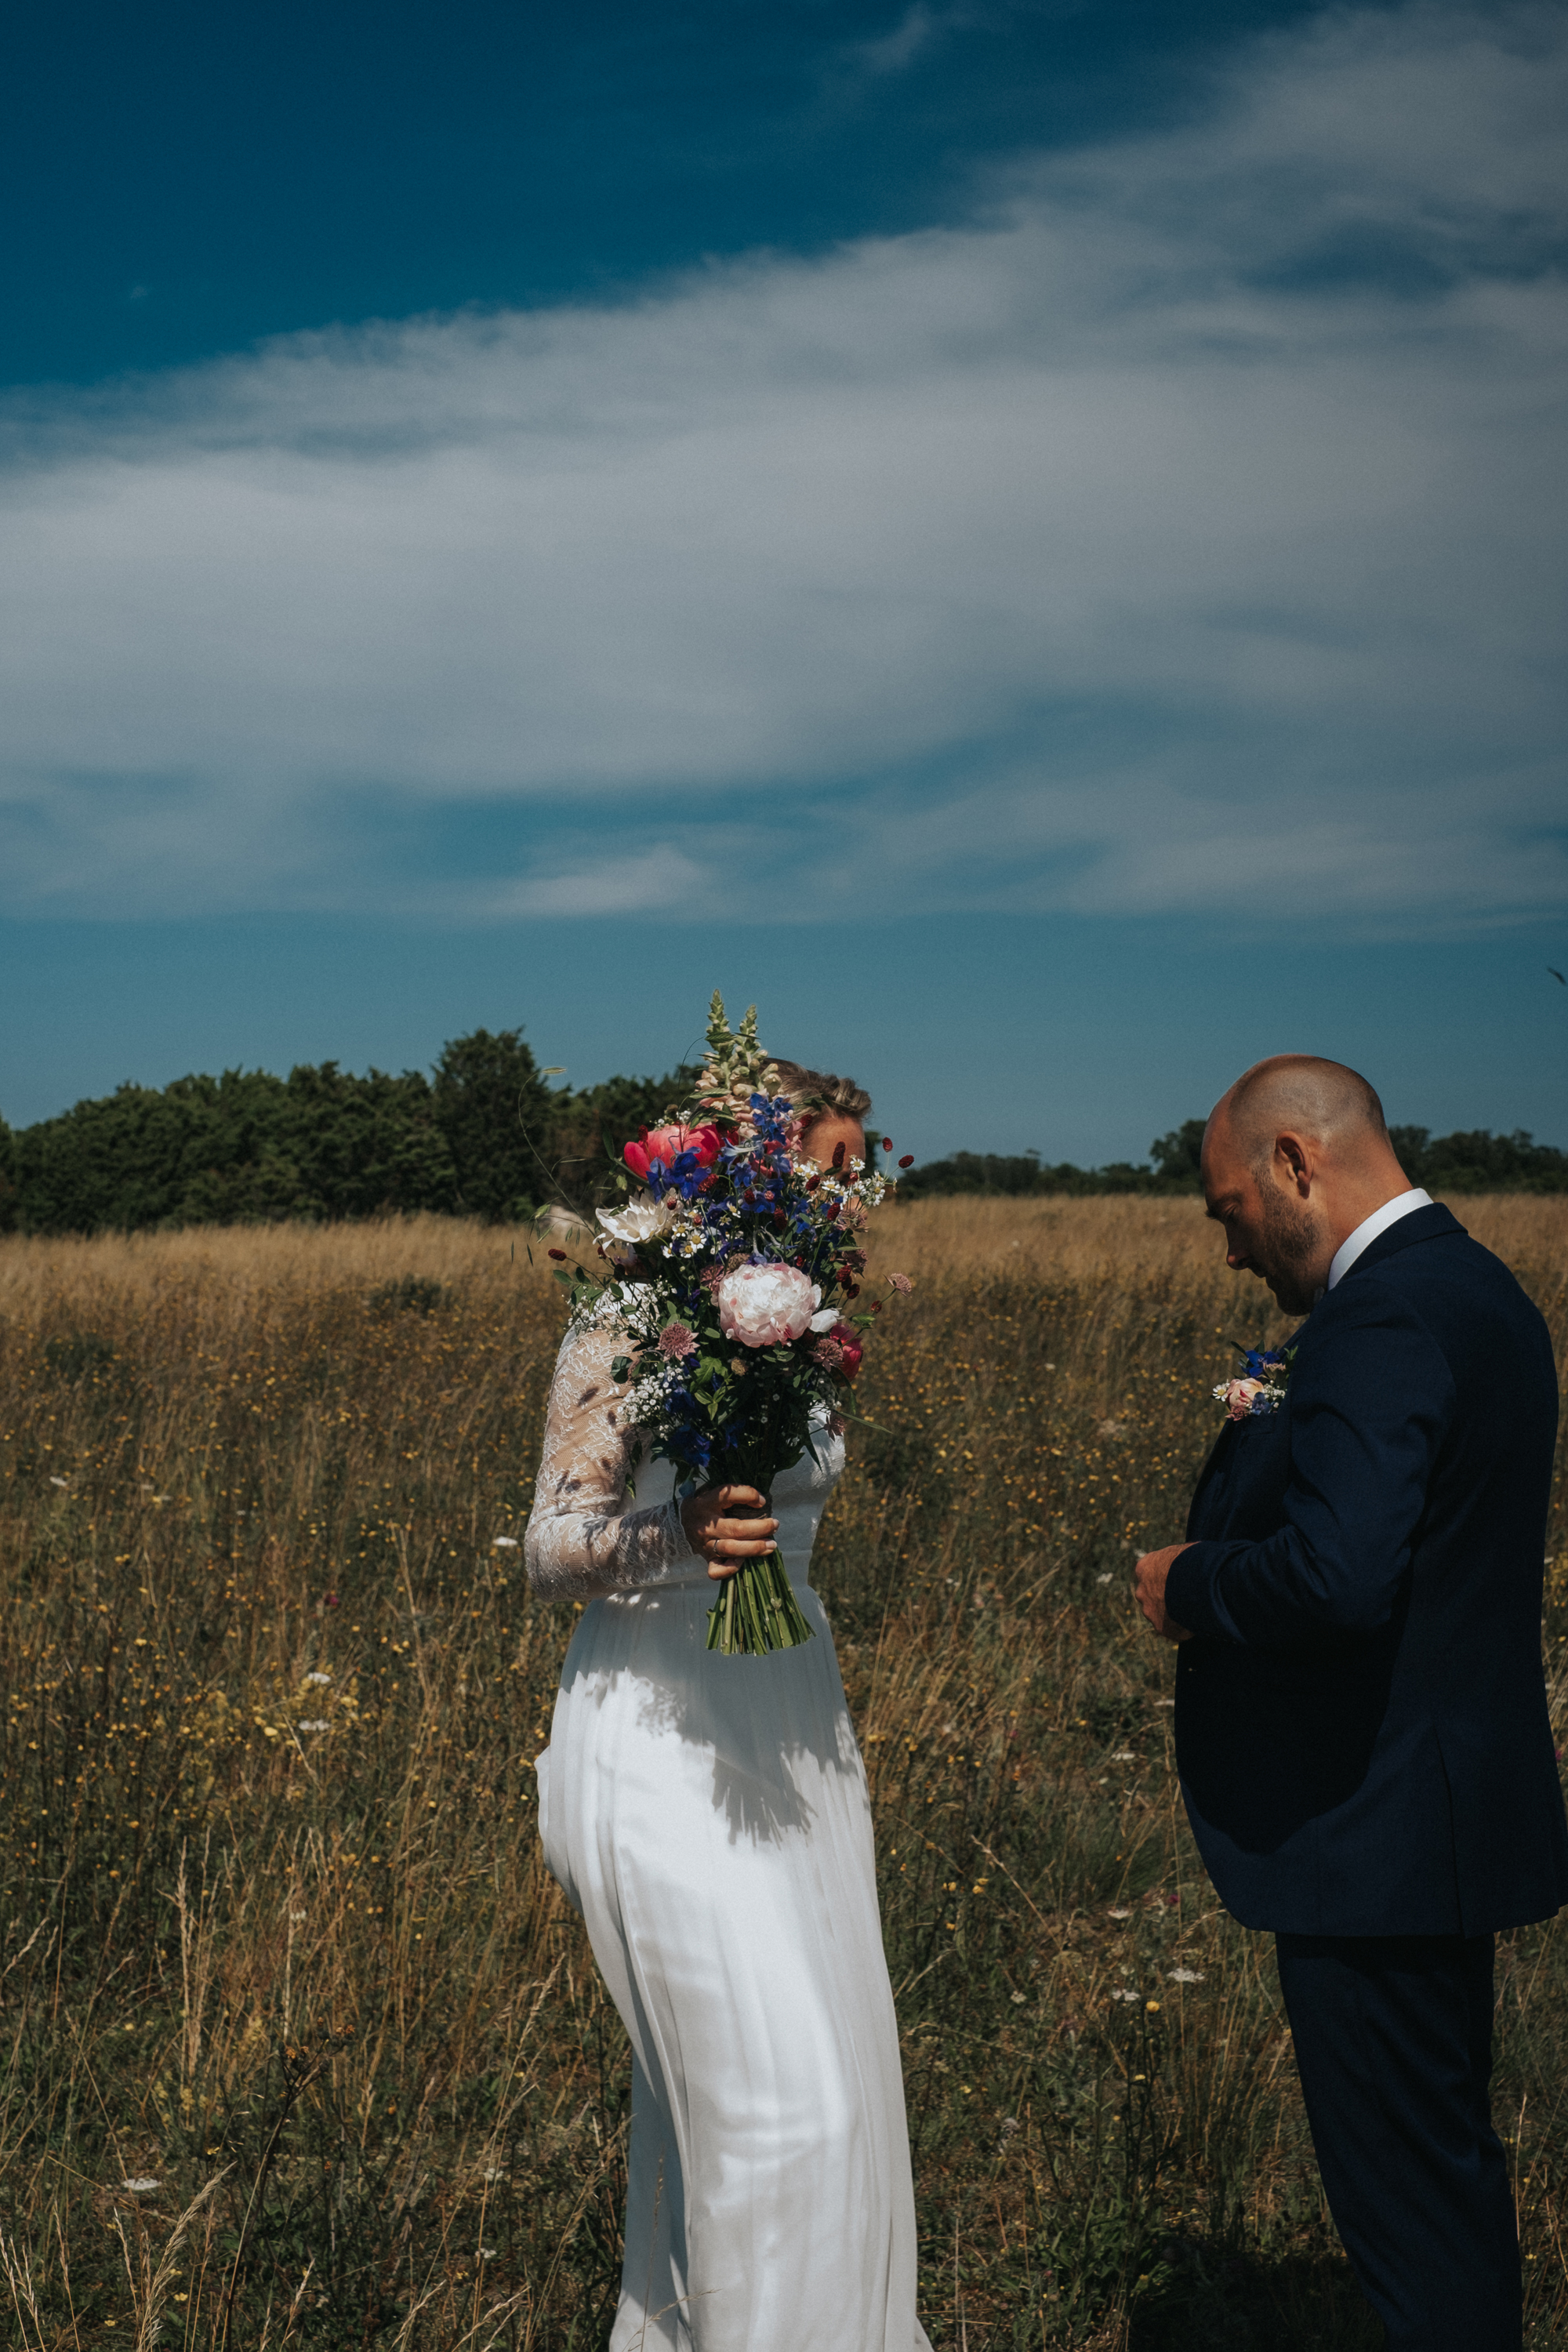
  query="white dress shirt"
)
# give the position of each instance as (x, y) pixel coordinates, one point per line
(1403, 1204)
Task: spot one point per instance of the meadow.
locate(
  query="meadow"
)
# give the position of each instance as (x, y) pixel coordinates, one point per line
(299, 2044)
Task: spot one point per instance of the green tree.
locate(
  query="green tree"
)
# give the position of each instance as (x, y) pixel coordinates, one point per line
(244, 1146)
(497, 1116)
(1410, 1150)
(7, 1179)
(233, 1170)
(365, 1145)
(119, 1160)
(1479, 1161)
(1177, 1157)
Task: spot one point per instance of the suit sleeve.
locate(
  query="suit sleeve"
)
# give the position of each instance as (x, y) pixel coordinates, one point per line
(1370, 1405)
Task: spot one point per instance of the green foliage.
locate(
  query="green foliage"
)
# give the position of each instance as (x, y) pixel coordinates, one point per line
(485, 1139)
(488, 1138)
(1178, 1157)
(1476, 1161)
(244, 1147)
(495, 1110)
(362, 1146)
(7, 1179)
(992, 1172)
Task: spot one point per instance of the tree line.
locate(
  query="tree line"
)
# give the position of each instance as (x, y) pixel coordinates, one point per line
(486, 1136)
(1470, 1160)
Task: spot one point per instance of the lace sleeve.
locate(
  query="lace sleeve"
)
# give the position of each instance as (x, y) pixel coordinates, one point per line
(580, 1541)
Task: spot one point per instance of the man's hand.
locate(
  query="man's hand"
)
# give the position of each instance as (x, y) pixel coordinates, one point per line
(1149, 1590)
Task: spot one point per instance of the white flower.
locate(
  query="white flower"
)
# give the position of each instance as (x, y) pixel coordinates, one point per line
(766, 1305)
(318, 1678)
(1123, 1993)
(503, 1543)
(140, 2187)
(1186, 1975)
(316, 1723)
(639, 1221)
(1121, 1914)
(826, 1320)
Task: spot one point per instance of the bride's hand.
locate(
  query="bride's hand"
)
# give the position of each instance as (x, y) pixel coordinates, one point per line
(725, 1543)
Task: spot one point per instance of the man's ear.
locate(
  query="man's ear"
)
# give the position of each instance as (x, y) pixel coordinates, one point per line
(1293, 1158)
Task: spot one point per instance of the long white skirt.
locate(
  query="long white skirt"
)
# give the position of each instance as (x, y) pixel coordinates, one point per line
(710, 1819)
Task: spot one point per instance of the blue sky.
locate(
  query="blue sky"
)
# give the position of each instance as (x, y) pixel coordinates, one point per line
(1028, 539)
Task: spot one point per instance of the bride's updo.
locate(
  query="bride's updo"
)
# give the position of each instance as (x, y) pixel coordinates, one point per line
(817, 1095)
(817, 1091)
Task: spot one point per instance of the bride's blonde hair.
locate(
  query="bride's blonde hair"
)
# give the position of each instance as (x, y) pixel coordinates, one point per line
(819, 1094)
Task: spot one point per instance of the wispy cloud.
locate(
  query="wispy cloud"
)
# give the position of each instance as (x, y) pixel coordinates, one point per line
(1186, 527)
(917, 32)
(600, 882)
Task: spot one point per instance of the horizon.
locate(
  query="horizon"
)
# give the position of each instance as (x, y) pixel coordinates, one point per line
(1139, 1162)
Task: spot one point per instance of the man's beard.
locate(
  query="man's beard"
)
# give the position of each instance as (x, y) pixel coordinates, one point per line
(1291, 1239)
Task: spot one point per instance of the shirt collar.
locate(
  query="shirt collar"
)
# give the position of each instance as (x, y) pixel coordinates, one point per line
(1403, 1204)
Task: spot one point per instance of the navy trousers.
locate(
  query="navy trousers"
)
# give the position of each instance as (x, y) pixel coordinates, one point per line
(1393, 2041)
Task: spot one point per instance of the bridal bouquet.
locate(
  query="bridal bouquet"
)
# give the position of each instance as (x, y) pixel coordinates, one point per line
(736, 1277)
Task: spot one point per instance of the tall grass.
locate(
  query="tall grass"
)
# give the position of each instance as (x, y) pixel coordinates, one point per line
(300, 2044)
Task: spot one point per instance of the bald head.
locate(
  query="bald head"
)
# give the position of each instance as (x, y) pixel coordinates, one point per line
(1296, 1155)
(1301, 1094)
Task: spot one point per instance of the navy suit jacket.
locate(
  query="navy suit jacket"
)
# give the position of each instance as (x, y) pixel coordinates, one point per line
(1361, 1725)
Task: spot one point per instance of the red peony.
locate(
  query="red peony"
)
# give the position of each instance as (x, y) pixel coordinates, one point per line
(853, 1346)
(666, 1144)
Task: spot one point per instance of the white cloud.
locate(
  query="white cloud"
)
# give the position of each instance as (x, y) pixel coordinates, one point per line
(1185, 529)
(916, 32)
(655, 878)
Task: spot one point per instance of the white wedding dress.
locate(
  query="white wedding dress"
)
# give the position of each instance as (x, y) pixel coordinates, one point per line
(709, 1816)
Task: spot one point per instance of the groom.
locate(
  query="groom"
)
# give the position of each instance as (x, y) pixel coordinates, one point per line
(1361, 1717)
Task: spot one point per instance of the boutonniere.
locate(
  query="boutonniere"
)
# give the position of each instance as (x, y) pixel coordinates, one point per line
(1259, 1387)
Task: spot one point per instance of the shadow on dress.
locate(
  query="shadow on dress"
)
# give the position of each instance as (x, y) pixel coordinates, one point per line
(778, 1727)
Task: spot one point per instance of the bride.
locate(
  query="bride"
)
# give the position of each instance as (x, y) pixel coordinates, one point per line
(709, 1817)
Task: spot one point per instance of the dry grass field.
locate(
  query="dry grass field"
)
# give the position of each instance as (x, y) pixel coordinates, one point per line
(301, 2046)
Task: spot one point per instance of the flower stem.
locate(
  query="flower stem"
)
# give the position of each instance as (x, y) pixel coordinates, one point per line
(757, 1611)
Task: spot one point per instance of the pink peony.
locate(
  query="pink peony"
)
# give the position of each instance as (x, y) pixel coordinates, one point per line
(766, 1305)
(666, 1145)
